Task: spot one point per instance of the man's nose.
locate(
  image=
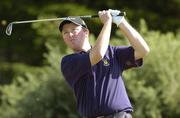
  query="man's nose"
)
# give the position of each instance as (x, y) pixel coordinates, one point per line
(71, 34)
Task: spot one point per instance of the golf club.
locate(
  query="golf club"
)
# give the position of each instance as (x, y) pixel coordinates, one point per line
(10, 25)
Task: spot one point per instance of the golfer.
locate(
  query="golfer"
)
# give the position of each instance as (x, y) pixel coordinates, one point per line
(95, 72)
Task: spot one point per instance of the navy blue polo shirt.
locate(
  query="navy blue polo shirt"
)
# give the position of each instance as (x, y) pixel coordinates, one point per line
(100, 89)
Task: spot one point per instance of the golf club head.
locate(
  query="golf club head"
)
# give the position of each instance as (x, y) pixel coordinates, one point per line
(9, 29)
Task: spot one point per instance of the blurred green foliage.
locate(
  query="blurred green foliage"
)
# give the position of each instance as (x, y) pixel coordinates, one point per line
(155, 87)
(31, 84)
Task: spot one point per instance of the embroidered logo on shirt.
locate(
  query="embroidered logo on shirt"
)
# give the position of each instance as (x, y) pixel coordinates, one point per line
(106, 62)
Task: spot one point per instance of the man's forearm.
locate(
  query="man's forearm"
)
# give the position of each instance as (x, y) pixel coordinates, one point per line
(101, 45)
(136, 40)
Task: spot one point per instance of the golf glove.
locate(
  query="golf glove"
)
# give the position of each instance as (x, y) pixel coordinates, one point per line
(115, 18)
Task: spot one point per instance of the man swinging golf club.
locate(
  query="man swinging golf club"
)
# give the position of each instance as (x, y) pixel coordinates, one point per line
(95, 72)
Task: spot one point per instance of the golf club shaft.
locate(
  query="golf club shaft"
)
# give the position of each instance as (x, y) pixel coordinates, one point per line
(62, 18)
(10, 25)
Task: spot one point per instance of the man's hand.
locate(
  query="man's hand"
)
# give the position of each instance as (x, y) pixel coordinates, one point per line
(115, 18)
(105, 16)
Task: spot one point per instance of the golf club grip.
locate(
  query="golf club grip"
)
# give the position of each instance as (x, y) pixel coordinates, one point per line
(120, 14)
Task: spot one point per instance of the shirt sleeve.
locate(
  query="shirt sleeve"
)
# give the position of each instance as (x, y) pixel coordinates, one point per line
(125, 55)
(74, 66)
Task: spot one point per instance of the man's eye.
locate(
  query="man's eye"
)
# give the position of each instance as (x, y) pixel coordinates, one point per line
(75, 29)
(65, 33)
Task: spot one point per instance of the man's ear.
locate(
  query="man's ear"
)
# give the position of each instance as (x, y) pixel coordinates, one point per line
(86, 31)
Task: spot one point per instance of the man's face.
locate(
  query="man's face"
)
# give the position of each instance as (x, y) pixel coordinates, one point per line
(74, 36)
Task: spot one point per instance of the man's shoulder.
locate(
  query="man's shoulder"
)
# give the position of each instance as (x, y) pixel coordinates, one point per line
(68, 56)
(73, 55)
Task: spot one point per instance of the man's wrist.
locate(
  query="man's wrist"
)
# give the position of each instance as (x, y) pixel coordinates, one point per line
(122, 22)
(109, 21)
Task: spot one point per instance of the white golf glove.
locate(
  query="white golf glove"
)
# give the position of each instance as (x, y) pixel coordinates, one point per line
(115, 18)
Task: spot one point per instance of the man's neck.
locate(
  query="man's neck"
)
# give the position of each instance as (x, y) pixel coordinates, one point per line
(85, 48)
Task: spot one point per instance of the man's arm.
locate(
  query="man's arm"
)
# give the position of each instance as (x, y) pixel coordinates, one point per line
(136, 40)
(98, 51)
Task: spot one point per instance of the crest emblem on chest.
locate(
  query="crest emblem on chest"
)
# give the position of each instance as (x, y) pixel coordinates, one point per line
(106, 62)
